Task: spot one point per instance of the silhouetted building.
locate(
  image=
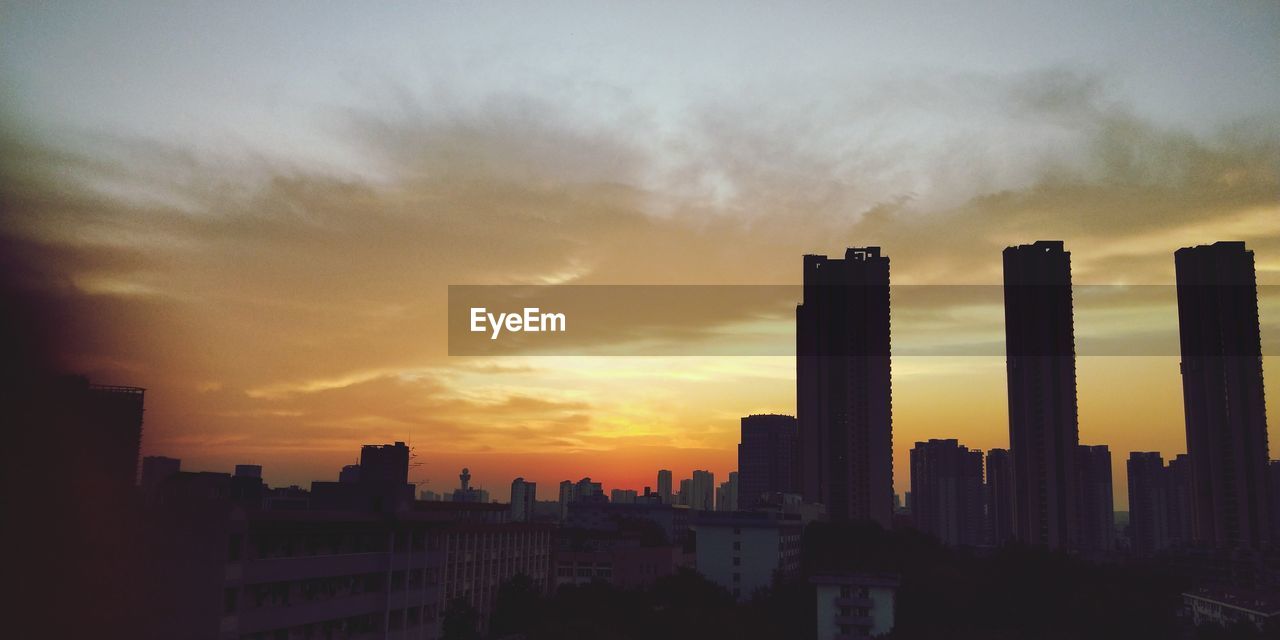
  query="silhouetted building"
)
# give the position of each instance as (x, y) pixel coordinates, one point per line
(1041, 372)
(223, 571)
(621, 561)
(155, 469)
(855, 605)
(70, 483)
(115, 436)
(1096, 502)
(248, 471)
(384, 464)
(622, 496)
(703, 491)
(946, 489)
(1273, 479)
(523, 497)
(768, 458)
(727, 493)
(1222, 394)
(1148, 503)
(686, 492)
(999, 495)
(467, 493)
(583, 490)
(843, 392)
(743, 551)
(350, 474)
(381, 484)
(1178, 489)
(664, 485)
(671, 521)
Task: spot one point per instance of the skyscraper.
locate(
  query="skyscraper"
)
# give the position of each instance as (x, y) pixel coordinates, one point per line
(946, 490)
(1041, 372)
(1096, 501)
(1178, 489)
(1148, 503)
(703, 488)
(523, 496)
(727, 493)
(768, 458)
(999, 495)
(664, 486)
(843, 393)
(1222, 394)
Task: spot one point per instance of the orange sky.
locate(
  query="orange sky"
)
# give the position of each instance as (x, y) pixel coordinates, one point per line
(264, 235)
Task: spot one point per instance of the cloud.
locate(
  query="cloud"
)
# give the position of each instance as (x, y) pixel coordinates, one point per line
(316, 299)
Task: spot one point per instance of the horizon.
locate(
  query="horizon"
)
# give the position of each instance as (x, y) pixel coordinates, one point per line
(257, 217)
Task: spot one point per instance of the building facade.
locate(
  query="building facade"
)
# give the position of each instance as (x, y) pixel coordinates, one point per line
(946, 491)
(854, 606)
(1222, 395)
(524, 495)
(768, 458)
(1096, 502)
(999, 495)
(843, 390)
(1041, 372)
(1148, 503)
(743, 551)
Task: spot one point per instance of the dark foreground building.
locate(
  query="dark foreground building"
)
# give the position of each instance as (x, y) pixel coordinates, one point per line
(768, 458)
(221, 564)
(999, 495)
(1223, 395)
(843, 395)
(946, 492)
(1041, 370)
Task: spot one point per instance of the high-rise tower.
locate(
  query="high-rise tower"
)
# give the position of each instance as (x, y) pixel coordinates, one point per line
(1041, 371)
(843, 394)
(1222, 394)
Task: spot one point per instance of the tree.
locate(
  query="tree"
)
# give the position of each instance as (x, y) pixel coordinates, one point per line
(516, 607)
(461, 621)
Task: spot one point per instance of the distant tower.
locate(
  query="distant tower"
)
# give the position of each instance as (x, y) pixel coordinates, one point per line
(523, 496)
(1096, 502)
(464, 479)
(1041, 370)
(1148, 503)
(946, 490)
(768, 458)
(1222, 394)
(999, 495)
(664, 485)
(703, 487)
(843, 392)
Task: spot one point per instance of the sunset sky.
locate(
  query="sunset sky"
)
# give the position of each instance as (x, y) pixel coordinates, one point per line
(254, 210)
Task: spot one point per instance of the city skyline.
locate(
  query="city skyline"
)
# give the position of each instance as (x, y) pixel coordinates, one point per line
(1037, 290)
(261, 230)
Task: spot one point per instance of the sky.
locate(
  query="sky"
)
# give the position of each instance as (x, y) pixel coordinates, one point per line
(255, 210)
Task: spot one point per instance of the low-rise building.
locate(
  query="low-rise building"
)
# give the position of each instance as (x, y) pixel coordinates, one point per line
(743, 551)
(853, 606)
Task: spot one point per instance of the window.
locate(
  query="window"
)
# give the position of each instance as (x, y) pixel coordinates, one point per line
(233, 547)
(737, 562)
(737, 546)
(737, 577)
(230, 599)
